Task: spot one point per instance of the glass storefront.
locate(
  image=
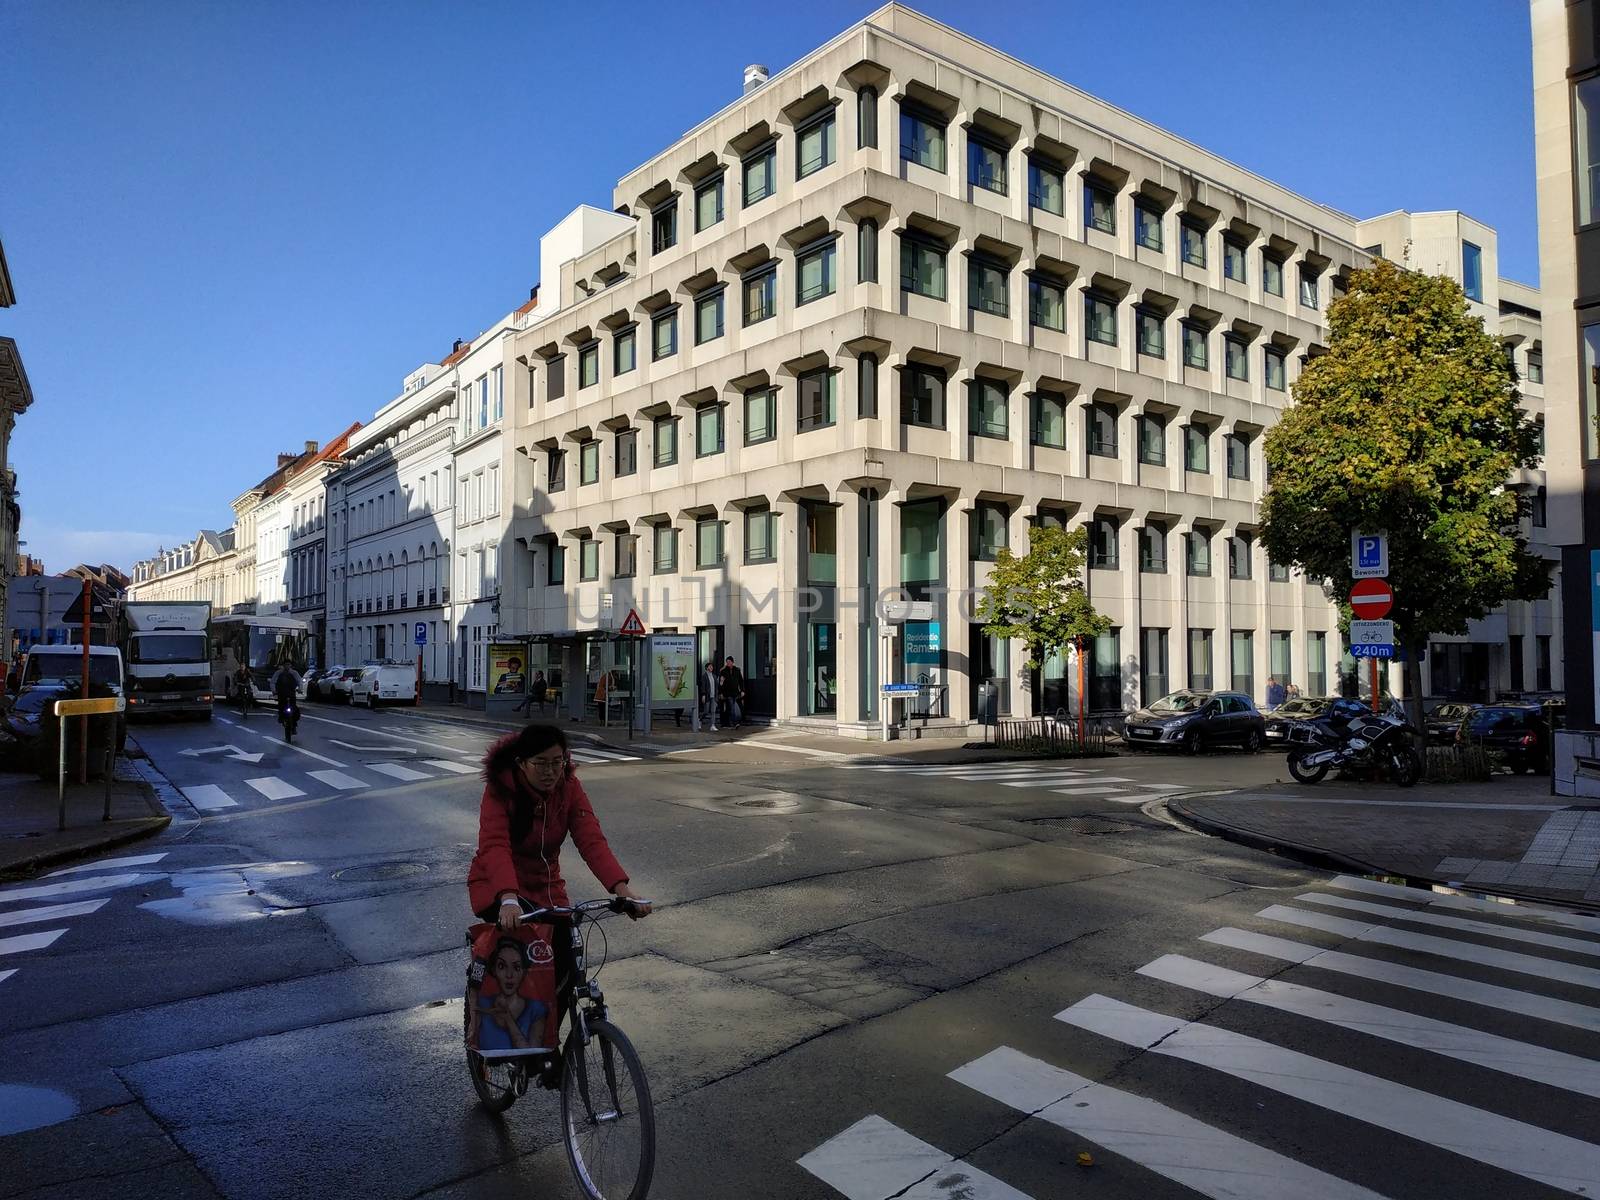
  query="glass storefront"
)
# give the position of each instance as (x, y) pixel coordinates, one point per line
(822, 676)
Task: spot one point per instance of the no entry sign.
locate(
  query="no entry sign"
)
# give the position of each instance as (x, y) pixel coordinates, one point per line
(1371, 599)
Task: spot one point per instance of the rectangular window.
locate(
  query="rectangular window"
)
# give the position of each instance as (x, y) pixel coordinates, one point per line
(589, 560)
(1233, 260)
(624, 351)
(1195, 351)
(1235, 358)
(1541, 664)
(1535, 367)
(1244, 661)
(1099, 319)
(867, 119)
(986, 164)
(708, 430)
(556, 377)
(1101, 430)
(708, 203)
(922, 396)
(1472, 271)
(1238, 456)
(1273, 363)
(921, 547)
(1271, 274)
(665, 548)
(664, 226)
(1105, 672)
(816, 273)
(555, 466)
(1146, 225)
(589, 365)
(627, 552)
(1049, 423)
(866, 251)
(1196, 449)
(1047, 303)
(665, 430)
(1538, 507)
(986, 286)
(1153, 664)
(760, 416)
(760, 174)
(1152, 440)
(1192, 243)
(664, 335)
(867, 385)
(761, 295)
(1103, 544)
(1153, 550)
(499, 388)
(1308, 289)
(1277, 572)
(760, 535)
(555, 563)
(990, 414)
(1099, 207)
(816, 144)
(1239, 555)
(1586, 151)
(626, 458)
(988, 530)
(1280, 657)
(589, 463)
(1152, 334)
(708, 543)
(708, 318)
(1200, 660)
(1197, 554)
(1316, 664)
(922, 268)
(922, 139)
(1047, 187)
(815, 400)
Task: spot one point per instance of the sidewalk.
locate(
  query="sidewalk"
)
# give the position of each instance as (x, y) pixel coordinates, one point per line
(1508, 836)
(29, 841)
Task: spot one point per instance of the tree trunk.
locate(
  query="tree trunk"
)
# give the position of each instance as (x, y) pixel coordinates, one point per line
(1082, 674)
(1413, 676)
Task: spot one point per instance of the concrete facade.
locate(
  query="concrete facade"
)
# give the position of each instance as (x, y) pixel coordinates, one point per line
(16, 395)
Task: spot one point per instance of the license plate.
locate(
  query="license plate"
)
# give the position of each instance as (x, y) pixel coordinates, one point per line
(1145, 733)
(170, 696)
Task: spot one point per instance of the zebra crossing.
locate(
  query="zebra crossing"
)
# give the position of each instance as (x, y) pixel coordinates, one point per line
(874, 1159)
(85, 889)
(1090, 783)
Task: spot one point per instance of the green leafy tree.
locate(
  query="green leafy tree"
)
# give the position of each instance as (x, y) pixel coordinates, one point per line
(1409, 424)
(1039, 599)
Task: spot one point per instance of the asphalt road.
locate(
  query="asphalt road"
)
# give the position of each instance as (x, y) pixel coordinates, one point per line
(865, 980)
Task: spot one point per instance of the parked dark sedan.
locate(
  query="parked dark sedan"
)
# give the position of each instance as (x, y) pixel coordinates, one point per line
(1518, 732)
(1441, 724)
(1286, 715)
(1194, 720)
(21, 725)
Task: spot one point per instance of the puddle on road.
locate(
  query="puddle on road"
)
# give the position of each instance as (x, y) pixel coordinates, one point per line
(224, 895)
(25, 1108)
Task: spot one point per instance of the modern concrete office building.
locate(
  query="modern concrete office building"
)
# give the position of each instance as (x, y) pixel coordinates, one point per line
(873, 320)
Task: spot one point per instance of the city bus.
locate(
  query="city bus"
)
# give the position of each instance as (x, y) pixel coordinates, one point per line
(263, 644)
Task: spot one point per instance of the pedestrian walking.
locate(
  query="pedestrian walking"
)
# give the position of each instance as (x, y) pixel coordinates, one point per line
(708, 695)
(731, 686)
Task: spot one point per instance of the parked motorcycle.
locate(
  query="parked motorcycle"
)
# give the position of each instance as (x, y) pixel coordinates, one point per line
(1350, 737)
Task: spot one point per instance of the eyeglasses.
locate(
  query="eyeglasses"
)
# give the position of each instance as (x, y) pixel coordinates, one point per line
(548, 764)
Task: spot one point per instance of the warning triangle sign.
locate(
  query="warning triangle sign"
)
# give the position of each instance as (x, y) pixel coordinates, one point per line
(632, 627)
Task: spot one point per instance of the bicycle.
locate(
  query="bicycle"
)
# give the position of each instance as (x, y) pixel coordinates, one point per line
(597, 1100)
(289, 718)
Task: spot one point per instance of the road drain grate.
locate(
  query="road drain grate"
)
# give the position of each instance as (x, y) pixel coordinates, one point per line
(377, 872)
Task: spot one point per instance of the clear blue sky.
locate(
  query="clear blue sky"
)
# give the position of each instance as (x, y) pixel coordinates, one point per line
(233, 227)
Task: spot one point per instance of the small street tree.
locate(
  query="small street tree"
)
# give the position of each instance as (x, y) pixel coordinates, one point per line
(1409, 424)
(1039, 599)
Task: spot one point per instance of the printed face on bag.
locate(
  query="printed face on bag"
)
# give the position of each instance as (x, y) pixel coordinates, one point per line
(509, 969)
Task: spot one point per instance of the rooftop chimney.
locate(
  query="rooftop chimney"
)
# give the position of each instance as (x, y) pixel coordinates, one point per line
(754, 76)
(311, 447)
(285, 459)
(455, 347)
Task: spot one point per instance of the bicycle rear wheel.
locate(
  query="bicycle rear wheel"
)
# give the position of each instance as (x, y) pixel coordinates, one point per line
(607, 1118)
(491, 1078)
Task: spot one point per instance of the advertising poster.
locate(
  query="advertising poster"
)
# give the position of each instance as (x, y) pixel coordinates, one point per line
(672, 669)
(508, 669)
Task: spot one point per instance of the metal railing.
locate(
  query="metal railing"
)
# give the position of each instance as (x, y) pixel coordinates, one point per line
(1052, 736)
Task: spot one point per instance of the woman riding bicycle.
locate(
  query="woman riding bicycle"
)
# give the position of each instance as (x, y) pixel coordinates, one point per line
(531, 802)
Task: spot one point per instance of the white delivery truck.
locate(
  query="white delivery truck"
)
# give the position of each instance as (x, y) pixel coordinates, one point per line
(166, 652)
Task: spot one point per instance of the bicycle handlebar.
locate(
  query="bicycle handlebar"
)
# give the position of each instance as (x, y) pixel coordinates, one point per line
(616, 904)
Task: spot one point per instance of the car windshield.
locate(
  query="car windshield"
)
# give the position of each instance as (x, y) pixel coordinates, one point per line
(150, 648)
(68, 665)
(1490, 720)
(1179, 702)
(1451, 712)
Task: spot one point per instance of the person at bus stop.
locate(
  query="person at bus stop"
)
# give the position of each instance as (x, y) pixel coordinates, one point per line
(535, 694)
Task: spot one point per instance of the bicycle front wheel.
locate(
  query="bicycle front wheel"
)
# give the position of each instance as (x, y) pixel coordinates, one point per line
(606, 1115)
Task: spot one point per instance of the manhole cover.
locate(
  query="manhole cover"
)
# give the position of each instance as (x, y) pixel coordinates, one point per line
(375, 872)
(765, 804)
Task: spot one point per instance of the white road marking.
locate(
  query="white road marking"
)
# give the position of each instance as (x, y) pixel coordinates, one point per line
(1551, 941)
(396, 771)
(1208, 1160)
(1044, 781)
(321, 758)
(873, 1160)
(456, 768)
(337, 779)
(409, 738)
(274, 788)
(1093, 790)
(5, 975)
(1521, 911)
(70, 887)
(207, 797)
(1487, 956)
(1528, 1004)
(1552, 1158)
(1487, 1050)
(811, 751)
(137, 860)
(29, 941)
(615, 755)
(50, 912)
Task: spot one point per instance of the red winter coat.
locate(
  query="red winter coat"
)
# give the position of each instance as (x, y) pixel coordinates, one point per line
(532, 868)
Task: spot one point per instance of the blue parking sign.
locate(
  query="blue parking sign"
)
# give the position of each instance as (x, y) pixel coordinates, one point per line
(1369, 555)
(422, 633)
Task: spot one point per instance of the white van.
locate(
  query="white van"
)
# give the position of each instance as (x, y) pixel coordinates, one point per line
(64, 664)
(384, 683)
